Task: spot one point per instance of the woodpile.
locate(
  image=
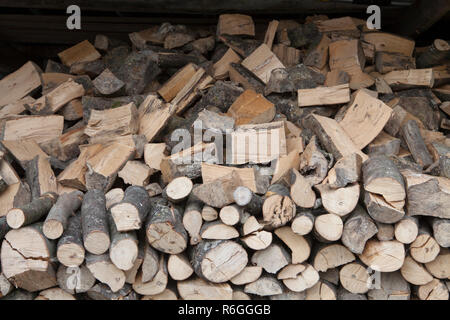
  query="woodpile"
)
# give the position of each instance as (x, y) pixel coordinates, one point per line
(310, 162)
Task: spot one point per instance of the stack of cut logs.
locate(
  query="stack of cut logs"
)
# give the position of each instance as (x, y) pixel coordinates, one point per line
(140, 170)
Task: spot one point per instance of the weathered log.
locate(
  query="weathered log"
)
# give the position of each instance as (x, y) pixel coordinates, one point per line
(358, 228)
(70, 250)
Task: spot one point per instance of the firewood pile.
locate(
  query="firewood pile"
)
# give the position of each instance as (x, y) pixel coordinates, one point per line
(308, 162)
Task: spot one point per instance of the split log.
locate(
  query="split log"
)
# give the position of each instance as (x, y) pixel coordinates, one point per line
(164, 229)
(192, 219)
(199, 289)
(153, 154)
(406, 230)
(301, 191)
(354, 277)
(339, 201)
(179, 267)
(95, 222)
(135, 173)
(66, 147)
(20, 83)
(332, 136)
(415, 273)
(271, 259)
(153, 116)
(23, 151)
(313, 163)
(436, 53)
(322, 290)
(389, 42)
(26, 259)
(58, 216)
(411, 133)
(248, 275)
(381, 176)
(264, 286)
(222, 67)
(177, 82)
(70, 250)
(424, 248)
(375, 114)
(380, 210)
(358, 228)
(105, 271)
(102, 168)
(218, 261)
(261, 63)
(258, 240)
(251, 108)
(317, 55)
(408, 79)
(81, 52)
(150, 263)
(434, 290)
(251, 225)
(123, 249)
(331, 256)
(288, 56)
(5, 286)
(439, 266)
(383, 256)
(324, 96)
(75, 280)
(57, 98)
(31, 212)
(299, 246)
(301, 281)
(131, 212)
(40, 177)
(216, 230)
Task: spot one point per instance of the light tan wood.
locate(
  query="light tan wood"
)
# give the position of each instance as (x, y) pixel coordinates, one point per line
(321, 291)
(38, 128)
(407, 79)
(406, 230)
(301, 191)
(235, 24)
(247, 275)
(324, 96)
(199, 289)
(439, 266)
(155, 286)
(334, 138)
(329, 227)
(261, 63)
(347, 55)
(153, 116)
(434, 290)
(354, 277)
(383, 256)
(332, 256)
(251, 108)
(415, 273)
(81, 52)
(20, 83)
(251, 225)
(23, 150)
(299, 246)
(135, 173)
(389, 42)
(303, 280)
(365, 119)
(222, 67)
(57, 98)
(211, 172)
(270, 33)
(209, 213)
(179, 267)
(218, 231)
(340, 201)
(337, 24)
(271, 259)
(425, 248)
(54, 294)
(15, 108)
(153, 154)
(116, 121)
(170, 89)
(258, 240)
(264, 286)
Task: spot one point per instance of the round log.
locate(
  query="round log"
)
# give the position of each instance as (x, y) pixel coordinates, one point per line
(70, 250)
(383, 256)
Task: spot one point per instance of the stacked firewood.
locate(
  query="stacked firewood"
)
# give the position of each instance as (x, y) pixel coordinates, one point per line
(143, 171)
